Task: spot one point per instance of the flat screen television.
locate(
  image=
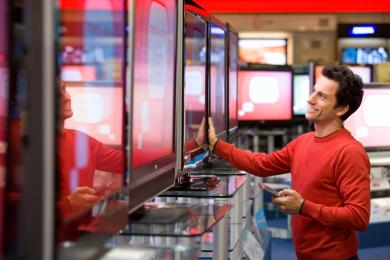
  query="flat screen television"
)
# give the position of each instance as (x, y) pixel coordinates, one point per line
(4, 89)
(194, 103)
(232, 82)
(353, 55)
(382, 72)
(365, 72)
(301, 94)
(369, 124)
(218, 78)
(265, 95)
(152, 152)
(262, 51)
(90, 145)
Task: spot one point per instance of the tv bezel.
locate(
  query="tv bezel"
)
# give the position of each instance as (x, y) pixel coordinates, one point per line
(162, 170)
(214, 21)
(231, 33)
(203, 16)
(268, 122)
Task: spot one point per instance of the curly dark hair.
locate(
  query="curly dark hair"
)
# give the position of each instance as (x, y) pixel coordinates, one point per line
(350, 90)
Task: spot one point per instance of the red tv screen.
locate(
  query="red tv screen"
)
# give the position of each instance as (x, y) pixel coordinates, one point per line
(369, 124)
(153, 84)
(97, 111)
(264, 95)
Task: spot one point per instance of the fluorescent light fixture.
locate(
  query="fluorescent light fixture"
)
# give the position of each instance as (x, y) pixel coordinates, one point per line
(362, 30)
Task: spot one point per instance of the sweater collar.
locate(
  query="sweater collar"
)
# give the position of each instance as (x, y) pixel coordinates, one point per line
(331, 136)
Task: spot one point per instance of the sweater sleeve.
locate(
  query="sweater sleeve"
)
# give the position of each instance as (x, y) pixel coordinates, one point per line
(353, 184)
(108, 159)
(259, 164)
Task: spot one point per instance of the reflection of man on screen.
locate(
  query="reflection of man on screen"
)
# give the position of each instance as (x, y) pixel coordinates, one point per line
(79, 155)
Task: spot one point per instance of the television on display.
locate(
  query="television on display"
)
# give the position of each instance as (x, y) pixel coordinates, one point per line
(218, 78)
(90, 104)
(152, 132)
(232, 83)
(301, 94)
(365, 72)
(262, 51)
(382, 72)
(265, 95)
(368, 124)
(194, 103)
(371, 56)
(3, 113)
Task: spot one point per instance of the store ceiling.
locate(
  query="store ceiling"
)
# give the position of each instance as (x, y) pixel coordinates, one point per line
(294, 6)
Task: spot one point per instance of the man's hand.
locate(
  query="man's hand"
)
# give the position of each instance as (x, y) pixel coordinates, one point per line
(82, 198)
(212, 136)
(289, 201)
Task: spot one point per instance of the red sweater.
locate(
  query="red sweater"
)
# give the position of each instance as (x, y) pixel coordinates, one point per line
(79, 156)
(332, 174)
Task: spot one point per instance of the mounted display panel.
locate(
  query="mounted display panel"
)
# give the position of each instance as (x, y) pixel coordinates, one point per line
(90, 108)
(365, 72)
(218, 77)
(368, 124)
(232, 81)
(265, 95)
(301, 89)
(152, 152)
(4, 103)
(195, 87)
(263, 51)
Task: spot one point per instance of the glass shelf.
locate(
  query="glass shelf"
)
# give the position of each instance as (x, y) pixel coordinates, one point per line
(226, 188)
(198, 219)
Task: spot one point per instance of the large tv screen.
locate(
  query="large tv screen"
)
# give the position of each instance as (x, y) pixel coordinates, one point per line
(369, 124)
(194, 82)
(3, 109)
(217, 72)
(154, 81)
(152, 131)
(364, 55)
(262, 51)
(233, 76)
(301, 94)
(264, 95)
(365, 72)
(90, 159)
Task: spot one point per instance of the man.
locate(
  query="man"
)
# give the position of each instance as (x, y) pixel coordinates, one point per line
(330, 195)
(76, 193)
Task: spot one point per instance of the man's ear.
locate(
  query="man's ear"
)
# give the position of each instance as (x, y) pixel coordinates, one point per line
(341, 110)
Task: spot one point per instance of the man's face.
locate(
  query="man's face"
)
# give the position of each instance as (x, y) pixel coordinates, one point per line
(66, 103)
(322, 102)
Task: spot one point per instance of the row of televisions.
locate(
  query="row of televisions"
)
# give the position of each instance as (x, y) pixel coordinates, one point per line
(273, 51)
(173, 87)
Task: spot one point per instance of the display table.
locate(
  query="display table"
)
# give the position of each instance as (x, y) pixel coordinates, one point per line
(230, 190)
